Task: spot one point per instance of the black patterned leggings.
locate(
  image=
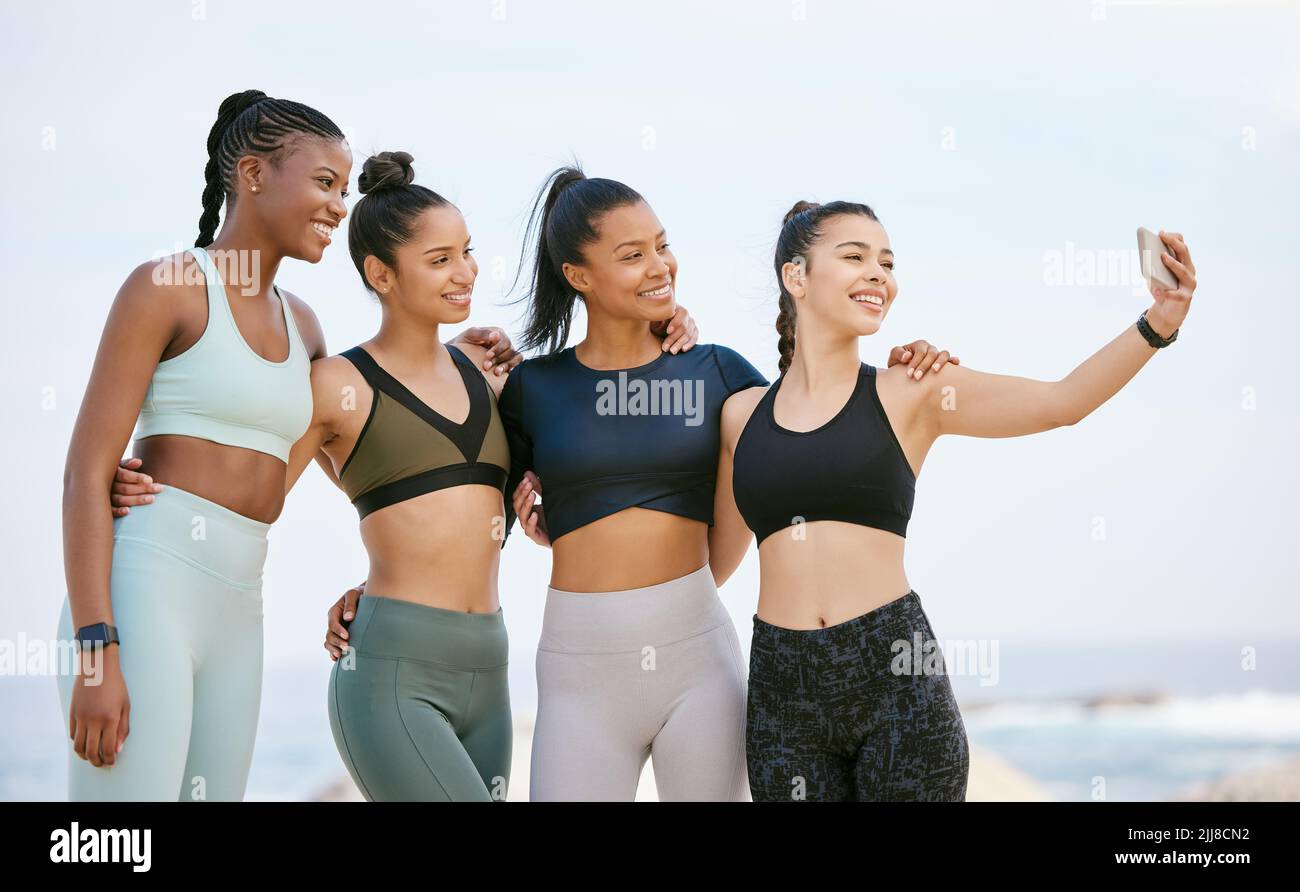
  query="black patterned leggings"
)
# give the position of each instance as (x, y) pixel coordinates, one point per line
(862, 710)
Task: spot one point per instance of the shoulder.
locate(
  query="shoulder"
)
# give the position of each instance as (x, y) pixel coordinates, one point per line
(309, 327)
(896, 375)
(736, 412)
(739, 407)
(330, 374)
(477, 355)
(722, 353)
(737, 371)
(510, 397)
(172, 276)
(895, 387)
(537, 375)
(339, 392)
(536, 367)
(159, 296)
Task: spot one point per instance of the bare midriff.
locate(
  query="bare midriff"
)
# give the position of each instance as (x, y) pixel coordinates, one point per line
(246, 481)
(632, 548)
(825, 572)
(440, 549)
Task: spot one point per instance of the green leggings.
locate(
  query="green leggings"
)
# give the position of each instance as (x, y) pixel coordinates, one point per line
(420, 704)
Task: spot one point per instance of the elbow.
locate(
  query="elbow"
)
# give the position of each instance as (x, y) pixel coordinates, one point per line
(78, 480)
(73, 480)
(74, 486)
(1065, 412)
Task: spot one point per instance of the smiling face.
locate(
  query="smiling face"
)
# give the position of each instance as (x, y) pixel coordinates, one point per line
(628, 272)
(300, 198)
(848, 281)
(435, 271)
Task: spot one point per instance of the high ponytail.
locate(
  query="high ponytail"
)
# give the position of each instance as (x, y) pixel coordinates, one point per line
(250, 123)
(800, 229)
(562, 223)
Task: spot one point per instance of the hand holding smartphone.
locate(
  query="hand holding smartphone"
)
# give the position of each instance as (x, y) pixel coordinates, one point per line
(1150, 247)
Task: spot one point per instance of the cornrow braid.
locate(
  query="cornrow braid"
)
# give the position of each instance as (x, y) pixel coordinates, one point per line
(800, 229)
(250, 123)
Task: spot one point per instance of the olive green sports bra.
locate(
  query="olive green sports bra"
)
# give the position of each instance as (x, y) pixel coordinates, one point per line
(406, 449)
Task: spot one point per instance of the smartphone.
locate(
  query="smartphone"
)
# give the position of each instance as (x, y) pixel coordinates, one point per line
(1150, 247)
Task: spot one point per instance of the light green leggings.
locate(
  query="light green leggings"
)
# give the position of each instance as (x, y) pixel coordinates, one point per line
(420, 703)
(186, 587)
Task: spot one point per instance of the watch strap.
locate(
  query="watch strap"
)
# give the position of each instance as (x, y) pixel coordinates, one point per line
(1150, 334)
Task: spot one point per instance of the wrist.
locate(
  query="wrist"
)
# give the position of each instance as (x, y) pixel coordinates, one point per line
(1159, 324)
(100, 636)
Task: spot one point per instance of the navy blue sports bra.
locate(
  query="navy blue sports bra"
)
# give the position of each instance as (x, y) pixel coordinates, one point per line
(601, 441)
(852, 468)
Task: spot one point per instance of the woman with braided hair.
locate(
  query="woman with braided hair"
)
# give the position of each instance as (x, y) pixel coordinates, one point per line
(849, 698)
(638, 657)
(213, 361)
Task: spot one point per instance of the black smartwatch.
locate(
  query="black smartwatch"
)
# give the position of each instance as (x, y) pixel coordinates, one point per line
(97, 636)
(1149, 333)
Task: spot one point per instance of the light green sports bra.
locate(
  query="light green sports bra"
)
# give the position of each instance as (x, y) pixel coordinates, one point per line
(221, 390)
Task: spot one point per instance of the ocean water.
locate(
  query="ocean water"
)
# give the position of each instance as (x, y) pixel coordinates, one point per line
(1206, 722)
(1129, 753)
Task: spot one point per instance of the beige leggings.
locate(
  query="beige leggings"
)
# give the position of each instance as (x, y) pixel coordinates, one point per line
(647, 672)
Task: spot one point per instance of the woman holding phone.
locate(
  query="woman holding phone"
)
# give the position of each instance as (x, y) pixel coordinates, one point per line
(824, 465)
(638, 657)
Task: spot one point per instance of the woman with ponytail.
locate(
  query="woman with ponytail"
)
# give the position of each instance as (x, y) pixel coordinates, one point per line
(619, 437)
(209, 362)
(848, 693)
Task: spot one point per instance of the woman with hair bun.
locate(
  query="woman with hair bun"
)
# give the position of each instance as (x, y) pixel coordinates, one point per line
(212, 360)
(419, 701)
(419, 704)
(842, 705)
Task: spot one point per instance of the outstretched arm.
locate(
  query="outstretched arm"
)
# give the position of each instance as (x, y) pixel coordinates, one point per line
(978, 404)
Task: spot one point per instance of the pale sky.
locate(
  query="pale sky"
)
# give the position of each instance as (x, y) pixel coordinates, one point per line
(985, 137)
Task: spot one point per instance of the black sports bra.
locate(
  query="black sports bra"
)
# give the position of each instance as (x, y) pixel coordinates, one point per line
(852, 468)
(406, 449)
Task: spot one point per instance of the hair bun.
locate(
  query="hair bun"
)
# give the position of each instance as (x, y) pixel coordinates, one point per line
(799, 208)
(387, 170)
(248, 98)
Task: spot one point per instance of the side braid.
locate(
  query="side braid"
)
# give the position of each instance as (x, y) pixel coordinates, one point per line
(785, 327)
(800, 230)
